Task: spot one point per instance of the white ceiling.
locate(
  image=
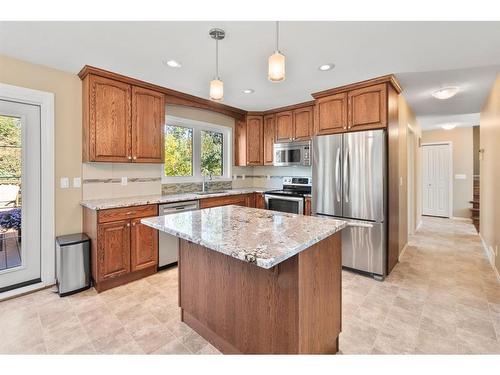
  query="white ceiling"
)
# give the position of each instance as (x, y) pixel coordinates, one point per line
(423, 55)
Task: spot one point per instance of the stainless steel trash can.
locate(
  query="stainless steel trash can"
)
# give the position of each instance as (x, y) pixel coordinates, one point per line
(72, 263)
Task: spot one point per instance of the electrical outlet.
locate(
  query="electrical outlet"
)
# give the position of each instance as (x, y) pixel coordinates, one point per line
(268, 177)
(64, 182)
(77, 182)
(243, 177)
(124, 181)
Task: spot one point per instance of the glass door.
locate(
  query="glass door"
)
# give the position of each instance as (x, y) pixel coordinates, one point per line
(20, 173)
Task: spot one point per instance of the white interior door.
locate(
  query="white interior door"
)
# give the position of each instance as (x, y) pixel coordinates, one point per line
(436, 178)
(20, 195)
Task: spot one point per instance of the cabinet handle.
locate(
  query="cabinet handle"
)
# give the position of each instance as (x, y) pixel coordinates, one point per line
(135, 157)
(133, 224)
(128, 224)
(130, 213)
(129, 157)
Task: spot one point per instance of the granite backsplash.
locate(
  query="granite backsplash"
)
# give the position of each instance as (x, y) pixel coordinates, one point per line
(191, 187)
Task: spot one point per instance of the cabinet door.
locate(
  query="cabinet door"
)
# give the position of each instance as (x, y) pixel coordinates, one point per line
(113, 253)
(330, 114)
(303, 123)
(250, 200)
(268, 139)
(148, 120)
(260, 202)
(238, 200)
(255, 149)
(240, 143)
(307, 207)
(144, 246)
(284, 126)
(109, 120)
(368, 108)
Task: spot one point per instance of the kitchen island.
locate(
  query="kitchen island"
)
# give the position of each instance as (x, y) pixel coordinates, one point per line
(258, 281)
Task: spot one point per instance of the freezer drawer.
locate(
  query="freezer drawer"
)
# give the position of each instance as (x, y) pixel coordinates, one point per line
(363, 247)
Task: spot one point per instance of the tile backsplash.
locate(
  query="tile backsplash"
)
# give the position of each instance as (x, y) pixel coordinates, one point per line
(190, 187)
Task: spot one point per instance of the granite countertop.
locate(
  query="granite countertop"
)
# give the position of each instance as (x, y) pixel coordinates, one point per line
(103, 204)
(265, 238)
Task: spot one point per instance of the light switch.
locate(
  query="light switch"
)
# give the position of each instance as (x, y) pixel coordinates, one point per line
(268, 177)
(243, 177)
(64, 182)
(77, 182)
(124, 181)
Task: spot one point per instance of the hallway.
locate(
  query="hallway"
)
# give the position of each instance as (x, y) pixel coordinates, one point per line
(442, 298)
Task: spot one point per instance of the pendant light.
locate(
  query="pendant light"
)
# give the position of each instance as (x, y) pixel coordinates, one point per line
(216, 85)
(276, 63)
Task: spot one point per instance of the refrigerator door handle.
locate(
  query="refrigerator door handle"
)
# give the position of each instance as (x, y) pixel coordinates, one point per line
(362, 225)
(337, 174)
(346, 177)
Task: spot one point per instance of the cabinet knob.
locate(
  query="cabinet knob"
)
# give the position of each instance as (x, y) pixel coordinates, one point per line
(133, 224)
(135, 157)
(128, 224)
(129, 157)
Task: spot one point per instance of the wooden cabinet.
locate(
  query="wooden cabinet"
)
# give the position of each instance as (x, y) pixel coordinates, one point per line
(260, 201)
(122, 249)
(294, 125)
(284, 126)
(254, 140)
(113, 254)
(367, 108)
(121, 122)
(307, 206)
(246, 200)
(269, 129)
(144, 246)
(148, 119)
(303, 123)
(331, 114)
(240, 143)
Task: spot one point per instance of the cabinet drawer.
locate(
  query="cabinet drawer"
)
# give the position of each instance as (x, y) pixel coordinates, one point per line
(240, 200)
(115, 214)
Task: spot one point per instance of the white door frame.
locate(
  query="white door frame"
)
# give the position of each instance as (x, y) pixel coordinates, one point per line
(46, 102)
(450, 183)
(410, 141)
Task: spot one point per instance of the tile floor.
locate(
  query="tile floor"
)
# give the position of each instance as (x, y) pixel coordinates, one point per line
(443, 297)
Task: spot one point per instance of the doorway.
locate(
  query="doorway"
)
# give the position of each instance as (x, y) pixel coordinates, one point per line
(20, 187)
(437, 190)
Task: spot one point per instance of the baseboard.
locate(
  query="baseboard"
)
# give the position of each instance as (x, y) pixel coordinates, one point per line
(466, 219)
(491, 256)
(402, 252)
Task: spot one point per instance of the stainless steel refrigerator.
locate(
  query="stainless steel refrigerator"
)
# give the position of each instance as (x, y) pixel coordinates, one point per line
(349, 182)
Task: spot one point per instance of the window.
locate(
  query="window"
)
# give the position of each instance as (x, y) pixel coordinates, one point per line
(195, 149)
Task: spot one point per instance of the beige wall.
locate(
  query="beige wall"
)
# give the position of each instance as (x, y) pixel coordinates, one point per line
(407, 118)
(489, 128)
(463, 163)
(68, 131)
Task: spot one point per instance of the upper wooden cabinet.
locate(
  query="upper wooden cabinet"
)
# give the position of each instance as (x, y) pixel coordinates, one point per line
(121, 122)
(284, 126)
(367, 108)
(360, 106)
(294, 125)
(331, 114)
(148, 119)
(269, 125)
(240, 143)
(255, 140)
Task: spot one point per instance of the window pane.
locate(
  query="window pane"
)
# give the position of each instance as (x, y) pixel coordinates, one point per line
(211, 153)
(178, 151)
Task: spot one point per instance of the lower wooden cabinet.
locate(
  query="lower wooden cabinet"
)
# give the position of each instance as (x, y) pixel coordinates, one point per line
(260, 201)
(246, 200)
(307, 206)
(122, 249)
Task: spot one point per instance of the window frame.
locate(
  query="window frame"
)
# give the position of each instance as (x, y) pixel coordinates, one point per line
(198, 126)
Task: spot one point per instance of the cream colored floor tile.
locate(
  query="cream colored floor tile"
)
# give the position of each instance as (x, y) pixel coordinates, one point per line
(173, 347)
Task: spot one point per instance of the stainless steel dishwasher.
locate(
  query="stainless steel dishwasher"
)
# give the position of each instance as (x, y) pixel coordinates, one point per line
(168, 250)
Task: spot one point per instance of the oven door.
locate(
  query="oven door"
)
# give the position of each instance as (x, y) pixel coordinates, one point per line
(294, 205)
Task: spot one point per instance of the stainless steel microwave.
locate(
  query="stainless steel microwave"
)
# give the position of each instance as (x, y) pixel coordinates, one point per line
(293, 153)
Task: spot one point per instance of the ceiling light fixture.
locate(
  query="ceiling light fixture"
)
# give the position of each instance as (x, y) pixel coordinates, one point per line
(276, 62)
(172, 63)
(216, 85)
(449, 126)
(326, 67)
(248, 91)
(445, 92)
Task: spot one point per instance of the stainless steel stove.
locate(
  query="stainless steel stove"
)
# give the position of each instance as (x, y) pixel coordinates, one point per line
(291, 197)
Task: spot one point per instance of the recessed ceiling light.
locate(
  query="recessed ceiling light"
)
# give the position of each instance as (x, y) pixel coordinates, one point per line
(449, 126)
(326, 67)
(248, 91)
(445, 92)
(172, 63)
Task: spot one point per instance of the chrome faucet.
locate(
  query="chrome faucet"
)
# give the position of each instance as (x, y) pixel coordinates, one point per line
(205, 181)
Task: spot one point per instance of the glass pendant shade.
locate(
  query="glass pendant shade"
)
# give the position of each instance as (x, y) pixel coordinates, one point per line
(276, 67)
(216, 90)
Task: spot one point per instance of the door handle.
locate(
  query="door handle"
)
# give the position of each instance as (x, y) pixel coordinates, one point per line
(361, 225)
(346, 181)
(337, 174)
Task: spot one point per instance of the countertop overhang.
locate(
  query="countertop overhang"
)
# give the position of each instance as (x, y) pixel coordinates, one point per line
(262, 237)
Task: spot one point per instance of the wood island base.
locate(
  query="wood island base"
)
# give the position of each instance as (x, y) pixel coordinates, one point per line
(292, 308)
